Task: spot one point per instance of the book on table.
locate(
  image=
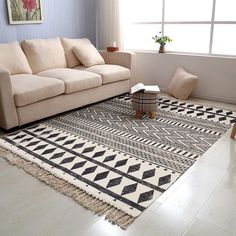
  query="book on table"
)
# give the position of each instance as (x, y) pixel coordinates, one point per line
(140, 87)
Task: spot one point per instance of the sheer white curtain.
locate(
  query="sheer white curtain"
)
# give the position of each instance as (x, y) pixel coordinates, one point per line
(109, 26)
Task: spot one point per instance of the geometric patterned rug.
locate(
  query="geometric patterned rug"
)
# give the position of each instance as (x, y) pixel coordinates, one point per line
(112, 163)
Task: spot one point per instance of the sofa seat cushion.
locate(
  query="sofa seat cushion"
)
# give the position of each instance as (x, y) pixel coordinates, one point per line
(109, 73)
(44, 54)
(13, 59)
(74, 80)
(29, 89)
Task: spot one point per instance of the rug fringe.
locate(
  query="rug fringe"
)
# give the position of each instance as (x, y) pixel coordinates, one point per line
(112, 214)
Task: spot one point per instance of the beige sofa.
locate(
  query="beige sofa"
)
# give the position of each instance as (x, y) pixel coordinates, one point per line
(41, 78)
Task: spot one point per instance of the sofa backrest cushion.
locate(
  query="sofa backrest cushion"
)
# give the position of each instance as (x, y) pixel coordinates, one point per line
(13, 59)
(44, 54)
(68, 45)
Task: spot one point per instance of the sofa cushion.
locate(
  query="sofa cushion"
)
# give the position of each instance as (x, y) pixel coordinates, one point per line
(44, 54)
(182, 84)
(68, 44)
(109, 73)
(74, 80)
(88, 55)
(13, 59)
(29, 89)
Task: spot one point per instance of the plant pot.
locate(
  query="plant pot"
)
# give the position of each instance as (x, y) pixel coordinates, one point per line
(162, 48)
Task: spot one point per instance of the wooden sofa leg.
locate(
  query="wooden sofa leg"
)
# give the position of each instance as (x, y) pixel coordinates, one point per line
(233, 131)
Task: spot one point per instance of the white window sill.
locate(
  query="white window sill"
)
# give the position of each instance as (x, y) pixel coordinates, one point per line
(221, 56)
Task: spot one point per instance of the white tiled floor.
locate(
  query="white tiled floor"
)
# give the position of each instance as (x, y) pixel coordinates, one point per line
(202, 202)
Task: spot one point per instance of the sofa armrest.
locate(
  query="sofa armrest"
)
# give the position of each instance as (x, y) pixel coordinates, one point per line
(8, 114)
(126, 59)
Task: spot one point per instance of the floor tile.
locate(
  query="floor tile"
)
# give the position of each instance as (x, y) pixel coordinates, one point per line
(29, 201)
(11, 176)
(104, 228)
(6, 220)
(71, 221)
(19, 191)
(221, 209)
(57, 217)
(222, 154)
(170, 219)
(203, 228)
(6, 168)
(40, 217)
(193, 185)
(174, 215)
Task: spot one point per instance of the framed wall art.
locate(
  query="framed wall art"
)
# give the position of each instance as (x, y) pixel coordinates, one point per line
(24, 11)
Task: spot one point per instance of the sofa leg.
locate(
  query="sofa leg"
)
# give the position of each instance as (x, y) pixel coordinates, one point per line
(233, 131)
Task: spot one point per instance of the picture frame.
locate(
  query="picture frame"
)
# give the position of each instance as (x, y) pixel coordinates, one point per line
(25, 11)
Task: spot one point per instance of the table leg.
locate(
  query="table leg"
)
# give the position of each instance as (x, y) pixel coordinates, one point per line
(138, 114)
(233, 131)
(152, 114)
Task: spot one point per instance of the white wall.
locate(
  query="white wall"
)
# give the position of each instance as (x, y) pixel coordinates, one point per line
(217, 76)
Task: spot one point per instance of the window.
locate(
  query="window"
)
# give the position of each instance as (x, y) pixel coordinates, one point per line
(186, 37)
(225, 10)
(135, 9)
(196, 26)
(188, 10)
(224, 39)
(139, 36)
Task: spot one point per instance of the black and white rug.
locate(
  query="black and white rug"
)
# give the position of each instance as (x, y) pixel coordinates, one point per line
(123, 162)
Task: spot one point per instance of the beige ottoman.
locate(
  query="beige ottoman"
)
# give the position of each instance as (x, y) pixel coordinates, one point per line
(145, 103)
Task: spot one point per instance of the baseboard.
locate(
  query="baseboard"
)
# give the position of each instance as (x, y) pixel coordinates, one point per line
(217, 99)
(207, 97)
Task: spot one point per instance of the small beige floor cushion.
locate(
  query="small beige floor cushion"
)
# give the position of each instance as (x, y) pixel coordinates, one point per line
(88, 55)
(182, 84)
(109, 73)
(29, 89)
(74, 80)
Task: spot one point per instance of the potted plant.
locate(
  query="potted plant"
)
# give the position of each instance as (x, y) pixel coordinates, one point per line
(162, 40)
